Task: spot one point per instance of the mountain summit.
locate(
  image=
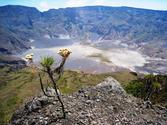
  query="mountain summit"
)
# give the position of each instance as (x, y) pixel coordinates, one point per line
(107, 104)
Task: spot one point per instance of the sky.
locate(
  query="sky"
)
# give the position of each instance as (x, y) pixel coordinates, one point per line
(44, 5)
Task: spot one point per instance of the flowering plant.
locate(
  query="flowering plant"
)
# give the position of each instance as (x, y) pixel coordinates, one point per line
(29, 57)
(64, 52)
(54, 74)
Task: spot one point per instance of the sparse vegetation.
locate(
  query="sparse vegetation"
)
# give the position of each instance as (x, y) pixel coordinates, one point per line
(47, 63)
(135, 88)
(54, 74)
(150, 87)
(21, 85)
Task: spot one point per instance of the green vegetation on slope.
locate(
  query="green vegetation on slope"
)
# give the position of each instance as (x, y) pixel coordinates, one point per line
(19, 86)
(152, 86)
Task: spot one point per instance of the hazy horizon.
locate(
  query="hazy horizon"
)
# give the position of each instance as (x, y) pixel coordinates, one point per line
(44, 5)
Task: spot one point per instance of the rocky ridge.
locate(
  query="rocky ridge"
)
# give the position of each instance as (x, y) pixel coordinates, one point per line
(20, 24)
(105, 104)
(12, 61)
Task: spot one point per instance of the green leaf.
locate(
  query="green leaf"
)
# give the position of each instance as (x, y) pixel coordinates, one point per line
(156, 85)
(47, 61)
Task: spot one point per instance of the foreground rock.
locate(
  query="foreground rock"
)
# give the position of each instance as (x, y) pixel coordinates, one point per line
(104, 104)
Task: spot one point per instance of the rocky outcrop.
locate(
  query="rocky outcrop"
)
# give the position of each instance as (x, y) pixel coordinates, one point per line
(105, 104)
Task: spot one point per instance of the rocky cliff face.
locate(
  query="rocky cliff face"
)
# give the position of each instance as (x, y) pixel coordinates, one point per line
(105, 104)
(18, 24)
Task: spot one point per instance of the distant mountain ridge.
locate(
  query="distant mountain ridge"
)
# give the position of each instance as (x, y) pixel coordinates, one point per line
(19, 24)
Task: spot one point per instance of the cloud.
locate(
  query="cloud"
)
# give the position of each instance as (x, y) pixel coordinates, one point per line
(99, 2)
(49, 4)
(44, 5)
(76, 3)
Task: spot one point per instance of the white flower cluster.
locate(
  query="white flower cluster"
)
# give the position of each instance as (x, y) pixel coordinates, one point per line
(64, 52)
(29, 57)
